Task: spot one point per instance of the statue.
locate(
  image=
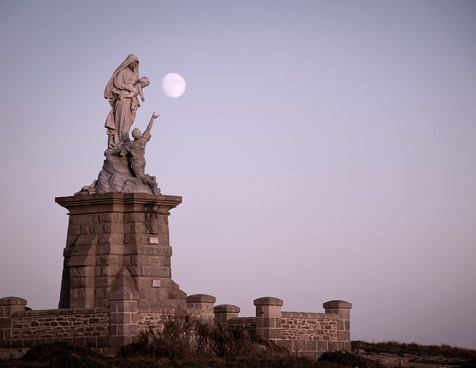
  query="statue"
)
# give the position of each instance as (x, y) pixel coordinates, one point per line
(123, 169)
(123, 91)
(135, 153)
(136, 148)
(152, 218)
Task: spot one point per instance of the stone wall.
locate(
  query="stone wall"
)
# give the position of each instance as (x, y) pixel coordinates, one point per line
(117, 282)
(306, 334)
(309, 333)
(150, 321)
(89, 327)
(310, 326)
(247, 324)
(199, 306)
(115, 326)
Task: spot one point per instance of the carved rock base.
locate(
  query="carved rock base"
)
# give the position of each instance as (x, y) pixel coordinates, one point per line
(116, 176)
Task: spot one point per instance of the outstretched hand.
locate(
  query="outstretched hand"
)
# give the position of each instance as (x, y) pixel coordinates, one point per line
(151, 122)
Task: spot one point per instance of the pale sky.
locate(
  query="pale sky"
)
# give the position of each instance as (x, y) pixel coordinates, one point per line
(324, 150)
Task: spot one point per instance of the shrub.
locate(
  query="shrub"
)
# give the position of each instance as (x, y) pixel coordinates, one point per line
(62, 354)
(188, 342)
(75, 361)
(183, 336)
(469, 364)
(46, 352)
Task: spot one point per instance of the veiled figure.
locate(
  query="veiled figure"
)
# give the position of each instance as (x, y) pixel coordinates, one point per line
(123, 91)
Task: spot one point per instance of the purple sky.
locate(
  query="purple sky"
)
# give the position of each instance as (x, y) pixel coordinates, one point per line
(323, 149)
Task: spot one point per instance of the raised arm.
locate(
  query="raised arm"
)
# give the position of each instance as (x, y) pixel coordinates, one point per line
(151, 122)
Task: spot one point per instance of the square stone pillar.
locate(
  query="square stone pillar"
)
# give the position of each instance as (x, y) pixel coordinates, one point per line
(123, 304)
(224, 312)
(200, 306)
(268, 318)
(8, 306)
(119, 240)
(342, 309)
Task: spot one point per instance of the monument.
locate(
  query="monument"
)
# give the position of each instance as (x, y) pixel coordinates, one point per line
(117, 279)
(118, 233)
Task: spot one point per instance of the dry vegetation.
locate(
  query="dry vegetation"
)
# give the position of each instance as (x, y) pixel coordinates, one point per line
(416, 355)
(393, 347)
(185, 343)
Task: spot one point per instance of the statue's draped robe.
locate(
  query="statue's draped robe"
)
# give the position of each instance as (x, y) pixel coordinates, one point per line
(122, 95)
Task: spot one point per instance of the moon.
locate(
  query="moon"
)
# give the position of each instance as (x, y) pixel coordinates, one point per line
(173, 85)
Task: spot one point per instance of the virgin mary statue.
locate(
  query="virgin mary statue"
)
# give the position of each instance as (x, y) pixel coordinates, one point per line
(123, 91)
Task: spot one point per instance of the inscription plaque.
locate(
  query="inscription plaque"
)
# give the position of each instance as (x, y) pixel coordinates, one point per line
(161, 250)
(155, 271)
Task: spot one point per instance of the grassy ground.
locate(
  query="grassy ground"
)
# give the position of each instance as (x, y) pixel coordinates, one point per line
(144, 355)
(397, 354)
(62, 355)
(393, 347)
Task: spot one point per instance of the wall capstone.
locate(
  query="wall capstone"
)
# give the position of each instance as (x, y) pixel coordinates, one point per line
(338, 306)
(10, 305)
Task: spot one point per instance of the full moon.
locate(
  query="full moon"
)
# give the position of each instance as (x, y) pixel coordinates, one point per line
(173, 85)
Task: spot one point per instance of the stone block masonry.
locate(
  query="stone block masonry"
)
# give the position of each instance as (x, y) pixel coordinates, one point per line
(310, 326)
(23, 328)
(117, 282)
(311, 334)
(201, 306)
(118, 240)
(303, 333)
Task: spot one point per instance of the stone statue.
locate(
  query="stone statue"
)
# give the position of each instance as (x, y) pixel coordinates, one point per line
(136, 148)
(152, 218)
(124, 92)
(123, 169)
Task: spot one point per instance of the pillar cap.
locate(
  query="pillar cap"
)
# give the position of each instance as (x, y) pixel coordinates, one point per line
(201, 298)
(12, 300)
(268, 300)
(226, 308)
(337, 304)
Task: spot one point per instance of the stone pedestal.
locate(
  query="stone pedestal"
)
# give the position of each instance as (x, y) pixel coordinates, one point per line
(116, 241)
